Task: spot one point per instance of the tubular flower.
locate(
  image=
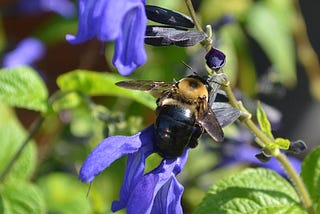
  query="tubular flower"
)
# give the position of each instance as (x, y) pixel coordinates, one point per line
(155, 192)
(122, 21)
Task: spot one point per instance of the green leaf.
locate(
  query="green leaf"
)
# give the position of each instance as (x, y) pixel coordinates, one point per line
(310, 173)
(97, 83)
(23, 87)
(282, 143)
(251, 191)
(12, 135)
(64, 194)
(263, 121)
(270, 28)
(22, 198)
(67, 101)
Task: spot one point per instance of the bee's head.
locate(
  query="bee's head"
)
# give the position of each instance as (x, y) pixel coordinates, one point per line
(192, 88)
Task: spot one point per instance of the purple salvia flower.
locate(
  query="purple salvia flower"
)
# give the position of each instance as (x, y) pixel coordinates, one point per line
(27, 52)
(122, 21)
(155, 192)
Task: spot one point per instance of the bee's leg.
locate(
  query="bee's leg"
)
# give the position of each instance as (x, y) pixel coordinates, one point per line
(215, 81)
(197, 132)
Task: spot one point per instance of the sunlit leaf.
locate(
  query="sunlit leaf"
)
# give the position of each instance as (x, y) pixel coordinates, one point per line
(67, 101)
(22, 198)
(23, 87)
(263, 121)
(101, 84)
(11, 137)
(282, 143)
(251, 191)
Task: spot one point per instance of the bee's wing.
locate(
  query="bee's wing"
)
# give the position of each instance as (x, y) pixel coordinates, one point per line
(208, 120)
(155, 88)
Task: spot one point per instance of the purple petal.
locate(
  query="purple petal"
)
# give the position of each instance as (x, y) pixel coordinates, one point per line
(27, 52)
(168, 198)
(109, 150)
(129, 51)
(103, 19)
(120, 20)
(135, 168)
(143, 195)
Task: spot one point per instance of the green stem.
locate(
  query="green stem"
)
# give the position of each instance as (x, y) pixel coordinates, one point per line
(296, 180)
(263, 139)
(33, 129)
(205, 43)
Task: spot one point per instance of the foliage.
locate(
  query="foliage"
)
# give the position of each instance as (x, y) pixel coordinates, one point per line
(80, 105)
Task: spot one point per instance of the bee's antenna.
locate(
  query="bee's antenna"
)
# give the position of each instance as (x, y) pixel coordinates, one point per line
(185, 64)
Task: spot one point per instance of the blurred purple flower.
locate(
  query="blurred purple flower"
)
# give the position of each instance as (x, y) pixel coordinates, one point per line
(27, 52)
(155, 192)
(62, 7)
(122, 21)
(240, 152)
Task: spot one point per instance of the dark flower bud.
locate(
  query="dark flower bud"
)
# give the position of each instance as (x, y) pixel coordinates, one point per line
(297, 146)
(168, 17)
(263, 157)
(215, 59)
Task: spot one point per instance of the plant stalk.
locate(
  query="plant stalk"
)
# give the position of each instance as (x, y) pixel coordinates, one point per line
(205, 43)
(296, 180)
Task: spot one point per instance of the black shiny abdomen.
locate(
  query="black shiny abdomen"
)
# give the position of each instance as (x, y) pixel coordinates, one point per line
(174, 128)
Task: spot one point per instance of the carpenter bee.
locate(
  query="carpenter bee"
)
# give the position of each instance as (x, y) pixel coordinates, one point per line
(183, 113)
